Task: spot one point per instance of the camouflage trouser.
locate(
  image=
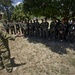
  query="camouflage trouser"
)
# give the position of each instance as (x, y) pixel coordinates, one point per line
(25, 33)
(5, 58)
(7, 30)
(41, 32)
(45, 33)
(37, 32)
(17, 30)
(12, 30)
(61, 35)
(30, 32)
(71, 36)
(52, 34)
(22, 30)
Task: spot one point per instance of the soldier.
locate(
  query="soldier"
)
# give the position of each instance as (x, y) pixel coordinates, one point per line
(41, 27)
(65, 29)
(25, 27)
(6, 25)
(21, 26)
(52, 28)
(45, 28)
(71, 31)
(37, 26)
(12, 27)
(17, 27)
(4, 49)
(33, 27)
(57, 29)
(61, 30)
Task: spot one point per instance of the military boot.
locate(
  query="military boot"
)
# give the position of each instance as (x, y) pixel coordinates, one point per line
(1, 67)
(9, 68)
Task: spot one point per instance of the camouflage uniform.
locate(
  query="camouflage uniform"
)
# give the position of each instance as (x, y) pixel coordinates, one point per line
(41, 28)
(61, 31)
(52, 30)
(17, 27)
(6, 25)
(57, 29)
(45, 29)
(27, 29)
(65, 29)
(24, 28)
(31, 28)
(12, 27)
(37, 26)
(71, 32)
(21, 26)
(4, 49)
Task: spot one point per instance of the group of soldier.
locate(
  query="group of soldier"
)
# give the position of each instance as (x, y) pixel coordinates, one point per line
(63, 30)
(57, 30)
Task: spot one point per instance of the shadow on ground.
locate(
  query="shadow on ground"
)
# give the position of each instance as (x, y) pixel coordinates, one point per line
(15, 64)
(56, 46)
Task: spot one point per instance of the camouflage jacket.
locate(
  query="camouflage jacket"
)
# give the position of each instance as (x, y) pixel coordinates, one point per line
(4, 37)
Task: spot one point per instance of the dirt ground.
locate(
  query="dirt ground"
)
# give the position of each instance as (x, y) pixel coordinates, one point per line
(34, 56)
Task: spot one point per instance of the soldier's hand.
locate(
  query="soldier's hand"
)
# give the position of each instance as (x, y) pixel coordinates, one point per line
(16, 35)
(13, 37)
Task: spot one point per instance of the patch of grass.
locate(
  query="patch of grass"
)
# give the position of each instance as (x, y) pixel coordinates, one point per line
(72, 62)
(54, 69)
(64, 70)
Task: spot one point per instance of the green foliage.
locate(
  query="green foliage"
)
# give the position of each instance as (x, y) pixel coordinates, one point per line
(6, 3)
(18, 12)
(64, 8)
(6, 7)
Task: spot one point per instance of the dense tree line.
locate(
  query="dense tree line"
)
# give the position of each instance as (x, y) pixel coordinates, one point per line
(18, 13)
(48, 8)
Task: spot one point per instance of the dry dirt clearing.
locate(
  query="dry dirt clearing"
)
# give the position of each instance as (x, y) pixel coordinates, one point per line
(32, 56)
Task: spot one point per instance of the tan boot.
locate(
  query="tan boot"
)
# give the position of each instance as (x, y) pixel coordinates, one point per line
(9, 68)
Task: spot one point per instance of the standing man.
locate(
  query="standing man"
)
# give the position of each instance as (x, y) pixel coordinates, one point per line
(41, 28)
(45, 29)
(6, 25)
(52, 28)
(4, 49)
(21, 26)
(17, 27)
(27, 29)
(33, 27)
(12, 27)
(65, 29)
(37, 26)
(24, 28)
(71, 31)
(62, 30)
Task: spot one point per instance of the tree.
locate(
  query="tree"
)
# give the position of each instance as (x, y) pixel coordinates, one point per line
(6, 6)
(18, 12)
(64, 8)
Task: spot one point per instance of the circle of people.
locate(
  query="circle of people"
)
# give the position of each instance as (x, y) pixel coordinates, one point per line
(57, 30)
